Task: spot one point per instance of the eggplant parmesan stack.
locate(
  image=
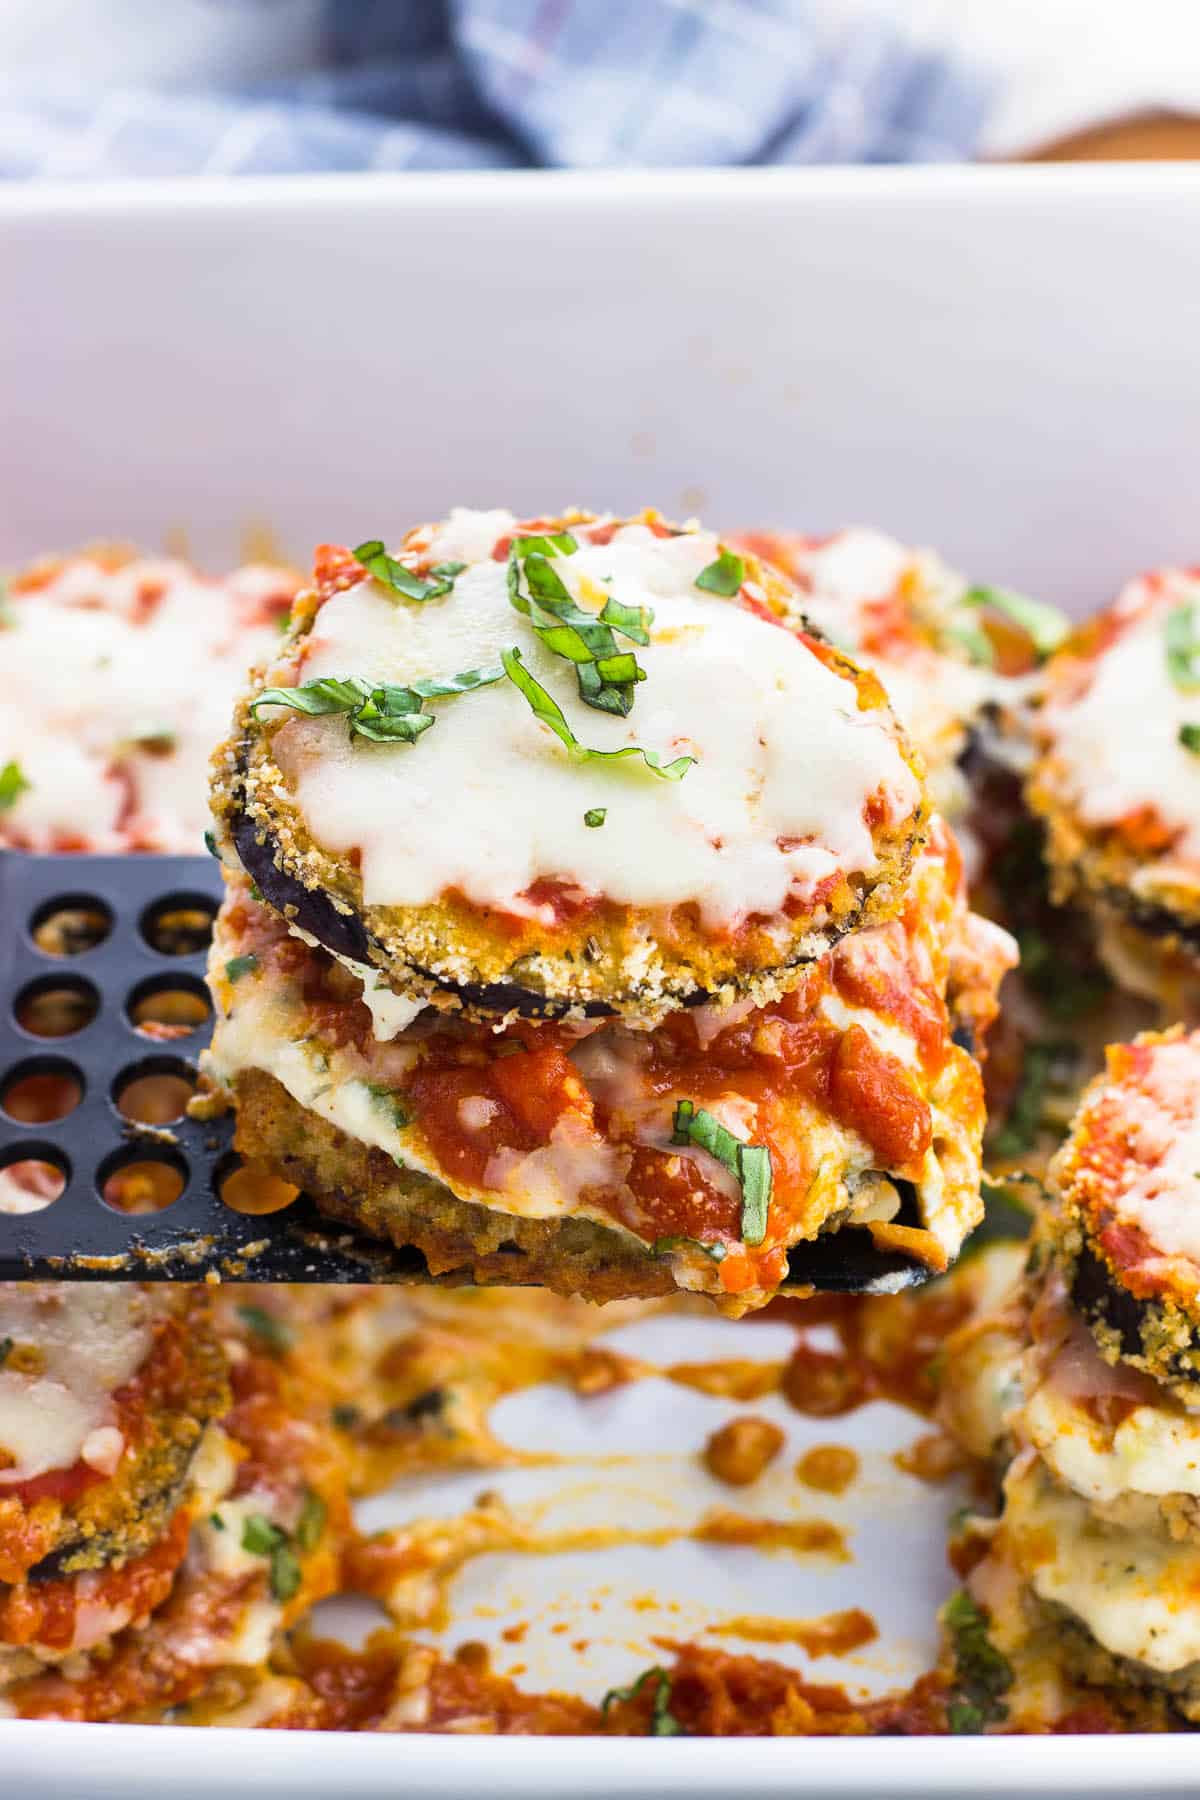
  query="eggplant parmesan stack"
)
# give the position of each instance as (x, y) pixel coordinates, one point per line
(1082, 1391)
(586, 921)
(245, 1525)
(105, 1391)
(1117, 782)
(117, 672)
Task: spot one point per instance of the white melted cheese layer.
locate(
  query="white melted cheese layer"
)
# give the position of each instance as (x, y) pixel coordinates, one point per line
(83, 683)
(1118, 742)
(1155, 1450)
(1134, 1590)
(935, 695)
(92, 1337)
(488, 801)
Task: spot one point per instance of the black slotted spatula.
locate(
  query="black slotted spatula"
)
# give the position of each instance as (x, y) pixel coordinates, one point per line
(101, 987)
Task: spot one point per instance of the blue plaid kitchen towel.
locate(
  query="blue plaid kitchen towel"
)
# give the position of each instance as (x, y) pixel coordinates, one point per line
(300, 86)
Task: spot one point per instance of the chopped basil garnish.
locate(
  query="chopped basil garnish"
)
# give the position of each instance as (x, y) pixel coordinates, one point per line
(725, 576)
(286, 1573)
(749, 1164)
(550, 713)
(383, 714)
(1183, 647)
(237, 966)
(606, 675)
(1189, 737)
(561, 543)
(1045, 626)
(259, 1536)
(311, 1522)
(12, 785)
(216, 1521)
(663, 1722)
(594, 816)
(265, 1326)
(392, 574)
(6, 1345)
(633, 622)
(210, 844)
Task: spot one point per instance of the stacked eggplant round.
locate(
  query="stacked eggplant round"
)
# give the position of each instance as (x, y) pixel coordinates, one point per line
(105, 1391)
(1082, 1391)
(588, 923)
(478, 873)
(1117, 783)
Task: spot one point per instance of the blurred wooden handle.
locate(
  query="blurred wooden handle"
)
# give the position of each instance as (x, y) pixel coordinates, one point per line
(1150, 137)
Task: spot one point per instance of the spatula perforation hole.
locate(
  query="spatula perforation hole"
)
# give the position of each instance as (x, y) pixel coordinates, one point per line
(141, 1178)
(40, 1090)
(179, 924)
(56, 1006)
(154, 1091)
(32, 1176)
(70, 924)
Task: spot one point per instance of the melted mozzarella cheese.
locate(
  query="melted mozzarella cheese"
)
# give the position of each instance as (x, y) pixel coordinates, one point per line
(1155, 1183)
(73, 1345)
(1154, 1450)
(1133, 1589)
(850, 586)
(489, 801)
(111, 704)
(1114, 730)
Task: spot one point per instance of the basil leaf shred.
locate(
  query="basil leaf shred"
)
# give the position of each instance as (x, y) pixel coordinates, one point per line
(724, 577)
(749, 1164)
(393, 575)
(663, 1722)
(12, 785)
(1045, 625)
(548, 712)
(1183, 647)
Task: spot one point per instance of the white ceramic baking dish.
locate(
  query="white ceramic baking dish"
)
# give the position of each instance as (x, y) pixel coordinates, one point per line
(1000, 363)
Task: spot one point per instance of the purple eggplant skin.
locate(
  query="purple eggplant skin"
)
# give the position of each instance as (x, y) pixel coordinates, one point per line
(345, 934)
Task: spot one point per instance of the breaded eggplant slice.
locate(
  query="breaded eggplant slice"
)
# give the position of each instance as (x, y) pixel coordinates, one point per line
(105, 1390)
(1117, 782)
(605, 1160)
(1127, 1184)
(696, 815)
